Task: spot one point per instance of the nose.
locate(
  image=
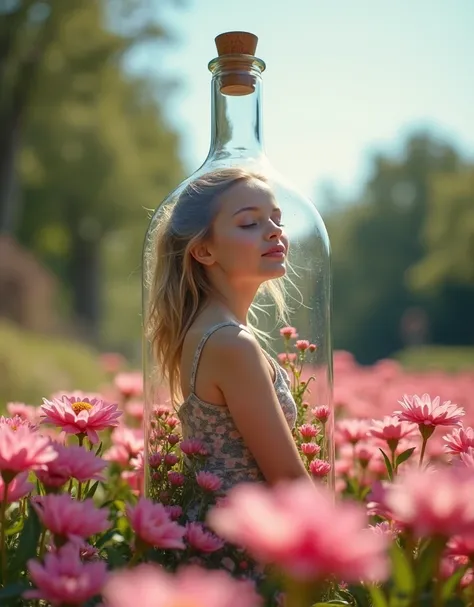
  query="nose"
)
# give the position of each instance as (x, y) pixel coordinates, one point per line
(274, 231)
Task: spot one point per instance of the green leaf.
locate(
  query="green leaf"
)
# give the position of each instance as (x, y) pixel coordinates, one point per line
(427, 561)
(105, 538)
(114, 557)
(17, 527)
(387, 464)
(99, 449)
(378, 597)
(402, 574)
(92, 490)
(28, 543)
(360, 594)
(13, 591)
(451, 583)
(404, 456)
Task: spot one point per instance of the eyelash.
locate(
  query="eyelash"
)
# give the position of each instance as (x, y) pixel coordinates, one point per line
(251, 225)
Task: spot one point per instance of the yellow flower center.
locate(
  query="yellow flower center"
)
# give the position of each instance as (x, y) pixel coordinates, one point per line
(80, 406)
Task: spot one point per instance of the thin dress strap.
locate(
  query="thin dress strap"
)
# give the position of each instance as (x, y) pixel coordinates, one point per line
(202, 343)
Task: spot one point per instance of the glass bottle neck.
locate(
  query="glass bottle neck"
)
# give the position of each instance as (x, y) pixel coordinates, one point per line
(236, 119)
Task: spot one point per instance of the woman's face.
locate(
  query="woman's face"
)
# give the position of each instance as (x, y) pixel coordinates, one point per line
(248, 242)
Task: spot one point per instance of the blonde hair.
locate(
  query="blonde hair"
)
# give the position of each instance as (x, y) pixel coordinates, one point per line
(179, 284)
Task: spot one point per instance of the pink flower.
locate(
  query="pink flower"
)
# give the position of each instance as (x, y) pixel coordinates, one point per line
(80, 416)
(302, 344)
(298, 527)
(17, 488)
(433, 502)
(459, 441)
(151, 586)
(467, 458)
(27, 412)
(64, 580)
(319, 467)
(208, 481)
(423, 411)
(321, 413)
(391, 429)
(176, 478)
(352, 430)
(129, 384)
(16, 421)
(126, 443)
(171, 459)
(288, 333)
(310, 450)
(385, 528)
(174, 512)
(286, 358)
(153, 525)
(193, 446)
(202, 540)
(22, 450)
(72, 462)
(173, 439)
(308, 431)
(69, 518)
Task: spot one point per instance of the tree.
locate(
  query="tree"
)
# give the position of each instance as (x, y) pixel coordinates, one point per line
(377, 240)
(96, 153)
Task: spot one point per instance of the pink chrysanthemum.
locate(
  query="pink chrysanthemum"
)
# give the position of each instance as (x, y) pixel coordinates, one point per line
(202, 540)
(16, 421)
(352, 430)
(72, 462)
(80, 416)
(18, 488)
(129, 384)
(467, 458)
(153, 525)
(459, 441)
(298, 527)
(208, 481)
(193, 446)
(433, 502)
(23, 449)
(64, 580)
(68, 518)
(151, 586)
(423, 411)
(391, 429)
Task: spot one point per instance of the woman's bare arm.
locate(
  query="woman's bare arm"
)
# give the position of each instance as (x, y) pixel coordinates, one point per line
(240, 371)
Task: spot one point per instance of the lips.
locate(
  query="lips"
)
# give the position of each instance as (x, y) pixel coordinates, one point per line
(277, 250)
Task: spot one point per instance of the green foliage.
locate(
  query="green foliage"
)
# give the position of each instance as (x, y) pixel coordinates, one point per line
(97, 152)
(33, 366)
(450, 359)
(392, 239)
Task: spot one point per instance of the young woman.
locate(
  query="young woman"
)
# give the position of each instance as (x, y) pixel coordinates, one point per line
(220, 244)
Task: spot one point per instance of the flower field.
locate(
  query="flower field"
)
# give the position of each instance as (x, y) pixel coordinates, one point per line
(398, 531)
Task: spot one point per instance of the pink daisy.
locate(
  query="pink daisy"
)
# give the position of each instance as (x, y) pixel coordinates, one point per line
(80, 416)
(64, 580)
(424, 411)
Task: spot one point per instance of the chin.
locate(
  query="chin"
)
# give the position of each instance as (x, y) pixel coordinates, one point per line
(277, 272)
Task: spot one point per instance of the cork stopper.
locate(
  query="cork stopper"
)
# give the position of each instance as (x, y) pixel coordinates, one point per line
(241, 82)
(241, 43)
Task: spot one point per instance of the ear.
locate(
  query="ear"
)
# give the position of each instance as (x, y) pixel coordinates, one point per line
(202, 254)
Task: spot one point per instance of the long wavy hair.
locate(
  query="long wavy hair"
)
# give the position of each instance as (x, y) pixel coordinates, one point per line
(179, 284)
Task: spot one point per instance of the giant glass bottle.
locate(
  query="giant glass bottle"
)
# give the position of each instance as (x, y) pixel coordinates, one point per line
(236, 140)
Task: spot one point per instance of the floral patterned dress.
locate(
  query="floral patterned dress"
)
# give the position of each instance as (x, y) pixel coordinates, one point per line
(229, 458)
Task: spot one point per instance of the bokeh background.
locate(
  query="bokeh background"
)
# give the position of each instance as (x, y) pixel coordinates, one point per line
(105, 107)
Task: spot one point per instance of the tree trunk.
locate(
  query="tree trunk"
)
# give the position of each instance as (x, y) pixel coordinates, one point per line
(86, 284)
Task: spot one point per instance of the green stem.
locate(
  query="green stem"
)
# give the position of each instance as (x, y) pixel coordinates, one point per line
(3, 523)
(422, 454)
(42, 543)
(79, 491)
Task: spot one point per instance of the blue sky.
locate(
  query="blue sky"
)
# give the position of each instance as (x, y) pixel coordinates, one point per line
(343, 78)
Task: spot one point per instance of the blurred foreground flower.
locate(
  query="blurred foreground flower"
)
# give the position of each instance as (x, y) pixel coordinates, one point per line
(149, 586)
(298, 527)
(64, 580)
